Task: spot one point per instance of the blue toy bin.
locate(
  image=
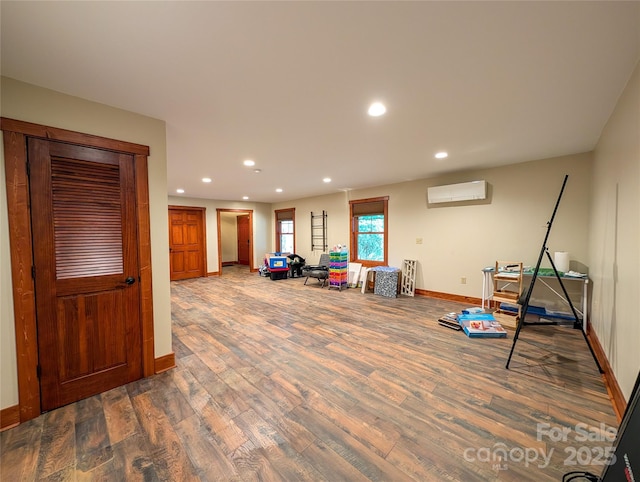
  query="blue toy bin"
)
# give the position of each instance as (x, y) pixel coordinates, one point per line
(277, 262)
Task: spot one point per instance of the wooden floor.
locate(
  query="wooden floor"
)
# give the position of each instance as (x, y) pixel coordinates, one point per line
(278, 381)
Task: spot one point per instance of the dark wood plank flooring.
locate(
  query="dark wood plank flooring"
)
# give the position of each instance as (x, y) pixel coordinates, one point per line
(278, 381)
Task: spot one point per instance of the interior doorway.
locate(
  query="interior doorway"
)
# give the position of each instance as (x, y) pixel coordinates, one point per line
(242, 223)
(235, 238)
(187, 243)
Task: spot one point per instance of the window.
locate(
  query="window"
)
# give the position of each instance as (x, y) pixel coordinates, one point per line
(369, 231)
(285, 230)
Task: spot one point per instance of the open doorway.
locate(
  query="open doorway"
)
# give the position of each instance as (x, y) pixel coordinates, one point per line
(235, 239)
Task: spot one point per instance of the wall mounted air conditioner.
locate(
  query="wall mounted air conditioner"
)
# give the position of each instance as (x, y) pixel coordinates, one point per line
(464, 191)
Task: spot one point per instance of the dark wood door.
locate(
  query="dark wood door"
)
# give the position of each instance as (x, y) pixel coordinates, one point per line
(186, 243)
(243, 240)
(83, 205)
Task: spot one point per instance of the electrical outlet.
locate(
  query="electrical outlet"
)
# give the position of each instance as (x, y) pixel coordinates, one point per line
(463, 280)
(418, 240)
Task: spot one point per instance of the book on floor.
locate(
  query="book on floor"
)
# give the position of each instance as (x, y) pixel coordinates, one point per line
(450, 320)
(482, 328)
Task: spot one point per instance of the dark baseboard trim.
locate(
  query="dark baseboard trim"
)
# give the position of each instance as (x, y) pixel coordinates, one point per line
(213, 273)
(448, 296)
(166, 362)
(615, 393)
(9, 417)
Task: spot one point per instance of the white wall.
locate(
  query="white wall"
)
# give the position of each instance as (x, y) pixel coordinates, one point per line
(614, 237)
(229, 236)
(262, 226)
(33, 104)
(337, 222)
(459, 240)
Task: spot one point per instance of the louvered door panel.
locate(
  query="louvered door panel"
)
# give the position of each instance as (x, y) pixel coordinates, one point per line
(87, 216)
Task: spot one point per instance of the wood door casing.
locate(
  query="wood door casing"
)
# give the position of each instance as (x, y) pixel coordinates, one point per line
(86, 270)
(15, 136)
(187, 256)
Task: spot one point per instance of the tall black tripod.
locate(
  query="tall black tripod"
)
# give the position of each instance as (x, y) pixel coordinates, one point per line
(527, 298)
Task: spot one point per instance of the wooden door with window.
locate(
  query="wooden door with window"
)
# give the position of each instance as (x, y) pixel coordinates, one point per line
(186, 242)
(85, 244)
(243, 240)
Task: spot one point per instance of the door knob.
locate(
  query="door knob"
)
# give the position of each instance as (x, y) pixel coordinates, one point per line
(130, 280)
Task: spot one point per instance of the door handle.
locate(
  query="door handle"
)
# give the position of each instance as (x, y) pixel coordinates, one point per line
(130, 280)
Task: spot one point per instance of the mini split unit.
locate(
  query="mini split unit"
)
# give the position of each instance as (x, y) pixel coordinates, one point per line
(464, 191)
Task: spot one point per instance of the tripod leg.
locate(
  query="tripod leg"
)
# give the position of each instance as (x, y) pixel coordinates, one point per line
(537, 268)
(523, 313)
(564, 291)
(525, 305)
(593, 353)
(575, 313)
(515, 337)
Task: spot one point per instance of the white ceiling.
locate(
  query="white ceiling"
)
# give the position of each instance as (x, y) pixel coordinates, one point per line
(287, 84)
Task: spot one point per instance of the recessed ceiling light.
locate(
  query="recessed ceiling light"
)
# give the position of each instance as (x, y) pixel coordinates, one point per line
(279, 190)
(245, 197)
(206, 179)
(377, 109)
(442, 155)
(326, 179)
(249, 163)
(180, 191)
(257, 171)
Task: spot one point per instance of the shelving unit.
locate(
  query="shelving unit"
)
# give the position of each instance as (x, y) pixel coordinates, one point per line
(507, 282)
(338, 269)
(409, 277)
(319, 231)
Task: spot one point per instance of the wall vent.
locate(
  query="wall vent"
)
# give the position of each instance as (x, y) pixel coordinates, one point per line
(464, 191)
